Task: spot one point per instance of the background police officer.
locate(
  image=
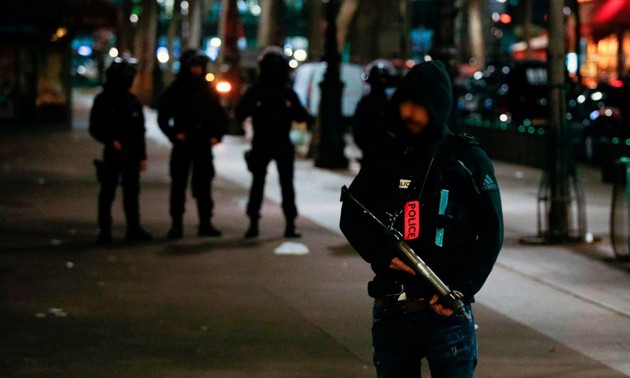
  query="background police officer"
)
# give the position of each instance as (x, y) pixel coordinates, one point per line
(273, 106)
(117, 121)
(369, 124)
(191, 116)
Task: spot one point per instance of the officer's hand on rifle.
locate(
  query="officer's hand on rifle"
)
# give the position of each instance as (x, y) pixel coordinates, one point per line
(438, 308)
(398, 264)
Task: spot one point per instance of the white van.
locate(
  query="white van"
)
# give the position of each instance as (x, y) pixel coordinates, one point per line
(308, 76)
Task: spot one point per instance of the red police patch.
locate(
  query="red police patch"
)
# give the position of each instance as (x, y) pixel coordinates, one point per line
(412, 220)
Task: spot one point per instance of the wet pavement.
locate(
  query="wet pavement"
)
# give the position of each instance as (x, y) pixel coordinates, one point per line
(230, 307)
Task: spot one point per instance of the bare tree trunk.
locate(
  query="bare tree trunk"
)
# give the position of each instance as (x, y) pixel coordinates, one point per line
(379, 31)
(344, 19)
(271, 30)
(194, 23)
(124, 42)
(171, 33)
(405, 21)
(145, 51)
(476, 38)
(527, 21)
(444, 47)
(315, 32)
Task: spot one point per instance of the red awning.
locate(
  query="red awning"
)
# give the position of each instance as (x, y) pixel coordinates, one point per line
(602, 17)
(612, 12)
(91, 14)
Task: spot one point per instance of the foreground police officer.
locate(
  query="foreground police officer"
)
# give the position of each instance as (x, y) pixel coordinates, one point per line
(405, 187)
(191, 116)
(117, 121)
(273, 106)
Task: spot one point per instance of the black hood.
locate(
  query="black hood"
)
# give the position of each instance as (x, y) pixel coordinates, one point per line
(429, 85)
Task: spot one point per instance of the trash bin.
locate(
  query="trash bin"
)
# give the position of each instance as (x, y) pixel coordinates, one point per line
(619, 213)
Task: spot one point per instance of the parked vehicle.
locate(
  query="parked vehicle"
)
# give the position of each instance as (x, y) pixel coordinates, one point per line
(308, 76)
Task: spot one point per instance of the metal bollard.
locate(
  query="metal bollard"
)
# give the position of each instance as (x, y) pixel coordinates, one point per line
(620, 211)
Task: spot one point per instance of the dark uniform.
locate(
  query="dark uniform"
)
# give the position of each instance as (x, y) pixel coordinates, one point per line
(369, 123)
(403, 187)
(117, 121)
(273, 106)
(191, 116)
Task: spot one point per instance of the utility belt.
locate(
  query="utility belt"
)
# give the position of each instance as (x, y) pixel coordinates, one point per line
(391, 297)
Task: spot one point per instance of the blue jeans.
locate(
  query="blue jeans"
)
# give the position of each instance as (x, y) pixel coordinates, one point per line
(402, 340)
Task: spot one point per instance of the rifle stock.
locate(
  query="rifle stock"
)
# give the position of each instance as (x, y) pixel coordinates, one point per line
(453, 301)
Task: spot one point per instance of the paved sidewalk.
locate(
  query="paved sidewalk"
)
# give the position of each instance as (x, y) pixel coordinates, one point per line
(227, 307)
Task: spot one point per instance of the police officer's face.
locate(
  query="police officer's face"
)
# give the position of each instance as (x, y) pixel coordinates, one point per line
(414, 117)
(196, 70)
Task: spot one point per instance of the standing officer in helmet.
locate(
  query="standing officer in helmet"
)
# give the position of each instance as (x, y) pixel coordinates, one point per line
(117, 121)
(191, 116)
(368, 124)
(273, 106)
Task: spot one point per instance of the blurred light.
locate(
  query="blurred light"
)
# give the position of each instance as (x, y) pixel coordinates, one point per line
(59, 33)
(224, 87)
(133, 18)
(255, 10)
(596, 96)
(162, 55)
(594, 114)
(572, 62)
(84, 51)
(608, 112)
(210, 77)
(113, 52)
(496, 16)
(581, 99)
(215, 42)
(300, 55)
(617, 83)
(184, 5)
(293, 63)
(81, 70)
(288, 51)
(478, 75)
(505, 18)
(503, 118)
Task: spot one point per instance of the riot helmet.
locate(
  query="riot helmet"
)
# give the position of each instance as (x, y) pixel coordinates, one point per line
(380, 72)
(191, 58)
(120, 73)
(274, 65)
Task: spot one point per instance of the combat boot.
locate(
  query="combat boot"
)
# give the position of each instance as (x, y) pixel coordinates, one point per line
(138, 234)
(252, 231)
(208, 230)
(290, 231)
(177, 230)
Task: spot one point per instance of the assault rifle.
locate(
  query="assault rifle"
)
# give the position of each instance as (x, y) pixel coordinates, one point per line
(448, 296)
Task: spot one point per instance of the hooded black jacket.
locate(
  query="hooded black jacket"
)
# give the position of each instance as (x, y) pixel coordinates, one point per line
(431, 161)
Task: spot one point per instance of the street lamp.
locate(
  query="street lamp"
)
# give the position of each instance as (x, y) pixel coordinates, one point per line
(330, 151)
